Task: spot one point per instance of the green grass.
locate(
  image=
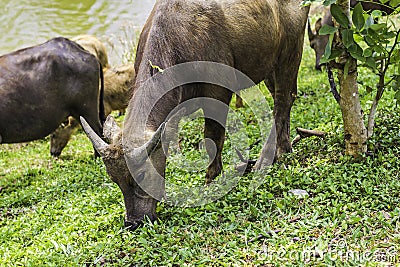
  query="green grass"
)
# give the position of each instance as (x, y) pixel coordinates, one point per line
(67, 212)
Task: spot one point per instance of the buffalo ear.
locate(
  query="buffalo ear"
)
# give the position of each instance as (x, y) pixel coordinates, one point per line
(111, 130)
(318, 25)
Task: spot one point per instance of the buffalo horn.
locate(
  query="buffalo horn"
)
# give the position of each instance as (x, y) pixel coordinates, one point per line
(97, 142)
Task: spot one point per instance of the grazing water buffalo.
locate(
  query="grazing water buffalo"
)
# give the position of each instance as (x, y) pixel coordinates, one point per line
(41, 86)
(94, 46)
(59, 139)
(118, 82)
(318, 42)
(261, 38)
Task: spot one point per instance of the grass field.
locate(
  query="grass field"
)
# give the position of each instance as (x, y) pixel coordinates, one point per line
(67, 212)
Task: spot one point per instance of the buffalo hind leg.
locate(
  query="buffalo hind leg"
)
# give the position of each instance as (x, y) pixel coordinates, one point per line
(283, 87)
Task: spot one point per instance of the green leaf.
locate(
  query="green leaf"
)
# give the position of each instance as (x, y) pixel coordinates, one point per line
(369, 41)
(389, 35)
(326, 29)
(394, 3)
(356, 52)
(379, 49)
(396, 83)
(397, 96)
(373, 35)
(369, 89)
(354, 220)
(340, 16)
(395, 56)
(190, 212)
(364, 32)
(330, 55)
(327, 54)
(358, 16)
(347, 38)
(367, 52)
(370, 62)
(378, 27)
(358, 38)
(370, 21)
(329, 2)
(376, 13)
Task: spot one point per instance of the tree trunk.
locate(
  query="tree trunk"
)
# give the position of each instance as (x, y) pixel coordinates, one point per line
(355, 133)
(378, 96)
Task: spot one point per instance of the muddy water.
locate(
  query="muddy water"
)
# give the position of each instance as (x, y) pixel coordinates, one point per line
(116, 22)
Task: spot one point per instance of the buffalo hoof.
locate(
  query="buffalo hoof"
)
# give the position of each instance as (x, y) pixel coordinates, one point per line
(132, 226)
(55, 154)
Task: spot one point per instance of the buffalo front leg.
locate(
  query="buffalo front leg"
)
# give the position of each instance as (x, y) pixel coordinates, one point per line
(214, 135)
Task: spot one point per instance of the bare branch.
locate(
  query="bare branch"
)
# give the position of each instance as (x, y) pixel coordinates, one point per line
(334, 91)
(305, 133)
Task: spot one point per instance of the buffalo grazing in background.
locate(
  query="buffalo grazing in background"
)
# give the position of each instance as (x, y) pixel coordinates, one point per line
(118, 82)
(41, 86)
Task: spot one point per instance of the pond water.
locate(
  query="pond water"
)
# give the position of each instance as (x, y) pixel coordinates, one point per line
(115, 22)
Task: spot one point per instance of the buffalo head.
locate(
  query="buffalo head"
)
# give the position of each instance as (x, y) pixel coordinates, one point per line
(60, 137)
(317, 42)
(138, 203)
